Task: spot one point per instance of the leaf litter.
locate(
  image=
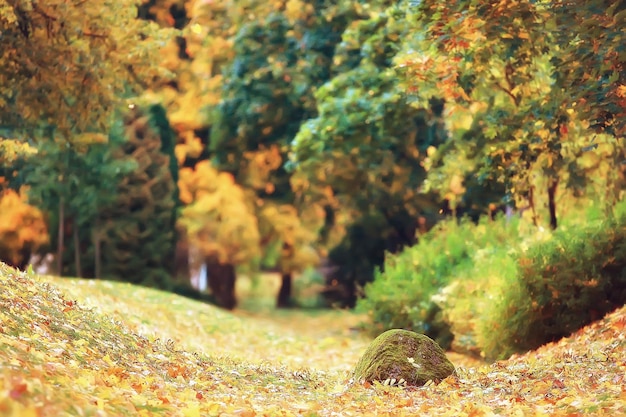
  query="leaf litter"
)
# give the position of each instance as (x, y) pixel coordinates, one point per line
(97, 348)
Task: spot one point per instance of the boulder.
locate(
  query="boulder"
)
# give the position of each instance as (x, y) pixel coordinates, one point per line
(403, 355)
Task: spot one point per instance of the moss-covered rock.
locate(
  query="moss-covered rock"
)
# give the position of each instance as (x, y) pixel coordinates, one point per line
(403, 355)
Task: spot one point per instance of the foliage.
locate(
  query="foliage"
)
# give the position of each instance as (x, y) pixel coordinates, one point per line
(569, 281)
(401, 295)
(217, 218)
(138, 240)
(362, 155)
(268, 92)
(538, 289)
(12, 149)
(136, 351)
(85, 182)
(478, 299)
(66, 65)
(22, 228)
(522, 97)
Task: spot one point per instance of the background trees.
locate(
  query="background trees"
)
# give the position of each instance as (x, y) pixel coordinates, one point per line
(139, 241)
(303, 130)
(365, 148)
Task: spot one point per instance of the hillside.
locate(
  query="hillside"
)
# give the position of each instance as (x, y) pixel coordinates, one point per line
(94, 348)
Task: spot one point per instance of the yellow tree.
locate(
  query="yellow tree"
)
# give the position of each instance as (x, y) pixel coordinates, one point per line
(65, 65)
(220, 222)
(281, 224)
(22, 229)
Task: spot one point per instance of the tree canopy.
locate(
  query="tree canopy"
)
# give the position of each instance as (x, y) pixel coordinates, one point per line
(308, 129)
(65, 66)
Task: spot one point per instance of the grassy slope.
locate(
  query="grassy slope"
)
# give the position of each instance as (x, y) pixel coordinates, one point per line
(123, 350)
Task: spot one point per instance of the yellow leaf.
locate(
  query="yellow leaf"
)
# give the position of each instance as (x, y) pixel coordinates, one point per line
(192, 411)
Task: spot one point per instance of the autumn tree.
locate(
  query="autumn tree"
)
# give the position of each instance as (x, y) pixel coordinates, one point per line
(526, 99)
(220, 221)
(65, 66)
(22, 228)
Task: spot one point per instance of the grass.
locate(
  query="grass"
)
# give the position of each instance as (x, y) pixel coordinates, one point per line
(95, 348)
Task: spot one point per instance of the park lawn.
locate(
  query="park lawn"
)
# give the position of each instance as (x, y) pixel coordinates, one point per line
(97, 348)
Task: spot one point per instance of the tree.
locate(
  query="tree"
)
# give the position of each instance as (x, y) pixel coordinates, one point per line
(520, 91)
(362, 155)
(139, 225)
(65, 66)
(282, 225)
(22, 229)
(218, 220)
(267, 93)
(72, 186)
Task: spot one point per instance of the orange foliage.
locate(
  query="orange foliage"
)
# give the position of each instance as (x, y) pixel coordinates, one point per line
(22, 228)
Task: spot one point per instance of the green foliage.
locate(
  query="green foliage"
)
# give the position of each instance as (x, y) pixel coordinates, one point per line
(478, 299)
(83, 182)
(572, 279)
(539, 288)
(307, 289)
(138, 243)
(362, 154)
(401, 295)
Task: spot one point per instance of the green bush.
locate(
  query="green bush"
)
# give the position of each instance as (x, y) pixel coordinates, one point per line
(400, 297)
(527, 295)
(307, 289)
(474, 301)
(573, 279)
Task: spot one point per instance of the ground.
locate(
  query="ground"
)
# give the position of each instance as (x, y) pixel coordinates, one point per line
(93, 348)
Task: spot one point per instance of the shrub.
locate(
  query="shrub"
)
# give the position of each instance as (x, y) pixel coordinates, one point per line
(400, 297)
(573, 279)
(520, 298)
(473, 304)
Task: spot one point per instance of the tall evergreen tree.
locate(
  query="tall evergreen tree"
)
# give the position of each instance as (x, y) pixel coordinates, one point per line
(139, 243)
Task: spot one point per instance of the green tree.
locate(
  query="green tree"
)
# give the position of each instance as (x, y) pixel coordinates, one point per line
(362, 154)
(72, 186)
(139, 225)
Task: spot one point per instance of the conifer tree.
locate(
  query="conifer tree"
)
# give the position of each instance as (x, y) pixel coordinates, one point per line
(138, 245)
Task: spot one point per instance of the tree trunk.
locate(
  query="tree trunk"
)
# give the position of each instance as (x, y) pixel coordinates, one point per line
(284, 294)
(60, 237)
(222, 279)
(531, 204)
(182, 269)
(97, 256)
(552, 187)
(79, 272)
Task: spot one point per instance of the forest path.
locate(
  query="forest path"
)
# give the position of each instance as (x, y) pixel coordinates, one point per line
(325, 340)
(97, 348)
